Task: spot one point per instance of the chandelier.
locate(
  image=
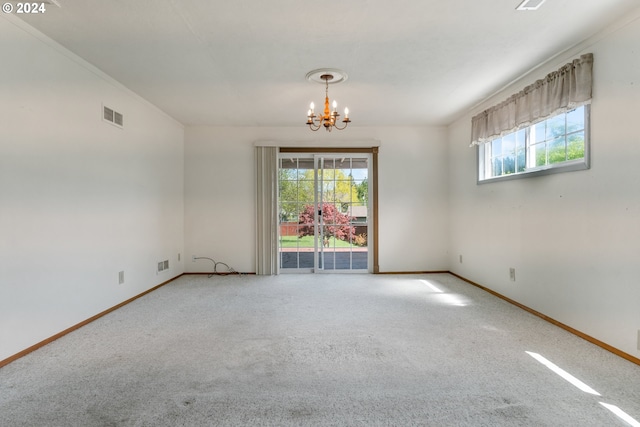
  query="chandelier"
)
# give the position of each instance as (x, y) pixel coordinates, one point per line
(329, 118)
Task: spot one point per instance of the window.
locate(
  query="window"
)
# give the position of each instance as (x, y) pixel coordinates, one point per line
(557, 144)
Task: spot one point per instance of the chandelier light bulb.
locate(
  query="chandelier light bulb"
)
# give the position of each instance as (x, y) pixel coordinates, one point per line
(346, 112)
(311, 108)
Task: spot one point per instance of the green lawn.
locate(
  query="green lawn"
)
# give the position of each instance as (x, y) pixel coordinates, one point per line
(307, 242)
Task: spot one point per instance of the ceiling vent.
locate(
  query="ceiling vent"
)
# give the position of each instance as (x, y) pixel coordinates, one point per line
(112, 116)
(530, 5)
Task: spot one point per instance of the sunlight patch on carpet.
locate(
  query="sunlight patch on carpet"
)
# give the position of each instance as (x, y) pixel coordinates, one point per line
(564, 374)
(621, 414)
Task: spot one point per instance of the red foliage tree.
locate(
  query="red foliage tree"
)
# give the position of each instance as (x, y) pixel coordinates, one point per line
(334, 223)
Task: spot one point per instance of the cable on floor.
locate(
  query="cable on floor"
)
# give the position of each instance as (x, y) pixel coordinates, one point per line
(230, 270)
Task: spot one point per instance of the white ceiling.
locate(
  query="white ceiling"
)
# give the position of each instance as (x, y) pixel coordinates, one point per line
(243, 62)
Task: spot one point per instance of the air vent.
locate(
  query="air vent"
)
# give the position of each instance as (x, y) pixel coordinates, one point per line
(118, 119)
(163, 265)
(108, 114)
(530, 5)
(112, 116)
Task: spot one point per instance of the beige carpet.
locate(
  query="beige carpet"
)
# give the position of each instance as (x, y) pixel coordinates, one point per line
(326, 350)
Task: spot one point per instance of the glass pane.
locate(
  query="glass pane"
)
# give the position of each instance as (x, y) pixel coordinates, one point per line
(358, 215)
(289, 234)
(360, 239)
(359, 166)
(496, 147)
(555, 126)
(497, 166)
(538, 132)
(345, 192)
(362, 192)
(343, 168)
(288, 190)
(521, 161)
(305, 175)
(343, 163)
(305, 191)
(288, 169)
(521, 139)
(360, 173)
(306, 247)
(540, 153)
(328, 191)
(288, 212)
(328, 163)
(509, 144)
(557, 150)
(483, 161)
(575, 120)
(509, 164)
(304, 219)
(575, 146)
(306, 165)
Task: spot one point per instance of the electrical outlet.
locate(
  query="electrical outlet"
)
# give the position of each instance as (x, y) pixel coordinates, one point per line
(512, 274)
(120, 277)
(460, 259)
(193, 258)
(638, 339)
(178, 256)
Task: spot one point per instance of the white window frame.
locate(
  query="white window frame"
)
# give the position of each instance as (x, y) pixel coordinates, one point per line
(484, 165)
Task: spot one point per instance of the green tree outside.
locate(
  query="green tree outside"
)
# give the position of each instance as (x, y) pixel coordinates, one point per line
(296, 190)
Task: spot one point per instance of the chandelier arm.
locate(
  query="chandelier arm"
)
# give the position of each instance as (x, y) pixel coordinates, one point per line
(343, 127)
(314, 123)
(314, 127)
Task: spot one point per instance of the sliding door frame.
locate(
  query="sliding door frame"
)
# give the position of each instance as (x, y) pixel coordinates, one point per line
(374, 182)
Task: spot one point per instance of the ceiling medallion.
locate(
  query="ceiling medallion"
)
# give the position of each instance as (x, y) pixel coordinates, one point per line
(328, 119)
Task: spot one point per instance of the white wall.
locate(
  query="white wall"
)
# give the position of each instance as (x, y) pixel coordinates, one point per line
(573, 238)
(80, 199)
(220, 193)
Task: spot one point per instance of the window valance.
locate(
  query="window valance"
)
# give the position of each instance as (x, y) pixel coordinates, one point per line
(562, 90)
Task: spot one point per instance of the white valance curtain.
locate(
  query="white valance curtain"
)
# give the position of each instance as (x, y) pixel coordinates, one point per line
(560, 91)
(267, 210)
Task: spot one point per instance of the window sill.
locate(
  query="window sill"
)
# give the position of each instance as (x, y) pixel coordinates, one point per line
(572, 166)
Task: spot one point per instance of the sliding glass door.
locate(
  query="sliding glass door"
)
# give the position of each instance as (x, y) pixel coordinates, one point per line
(324, 213)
